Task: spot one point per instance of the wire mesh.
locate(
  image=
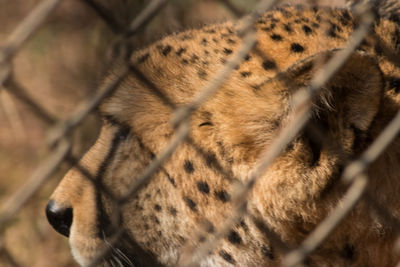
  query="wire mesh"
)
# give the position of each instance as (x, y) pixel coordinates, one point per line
(59, 135)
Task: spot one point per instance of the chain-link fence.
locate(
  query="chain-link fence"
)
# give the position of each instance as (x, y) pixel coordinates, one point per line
(354, 175)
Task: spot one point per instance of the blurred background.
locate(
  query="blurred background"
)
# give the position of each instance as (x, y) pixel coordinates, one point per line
(60, 66)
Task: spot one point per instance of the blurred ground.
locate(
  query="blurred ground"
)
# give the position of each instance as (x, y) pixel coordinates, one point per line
(59, 67)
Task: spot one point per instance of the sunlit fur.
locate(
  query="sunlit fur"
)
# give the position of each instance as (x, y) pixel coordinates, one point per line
(190, 196)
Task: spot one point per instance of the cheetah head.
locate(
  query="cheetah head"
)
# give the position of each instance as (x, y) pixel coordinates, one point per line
(189, 197)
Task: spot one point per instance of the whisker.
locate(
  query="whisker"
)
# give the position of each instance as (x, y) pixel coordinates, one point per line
(123, 257)
(117, 254)
(118, 261)
(112, 262)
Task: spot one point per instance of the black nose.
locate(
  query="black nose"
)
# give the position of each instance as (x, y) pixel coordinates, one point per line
(59, 217)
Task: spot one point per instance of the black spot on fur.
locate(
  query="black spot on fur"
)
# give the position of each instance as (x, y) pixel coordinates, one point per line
(276, 37)
(194, 58)
(331, 33)
(209, 31)
(268, 252)
(221, 148)
(157, 207)
(222, 195)
(343, 20)
(346, 15)
(333, 30)
(234, 238)
(348, 252)
(202, 74)
(227, 51)
(336, 27)
(186, 37)
(307, 30)
(266, 29)
(286, 13)
(315, 25)
(305, 19)
(203, 187)
(188, 166)
(245, 74)
(165, 51)
(211, 160)
(210, 228)
(297, 21)
(226, 256)
(224, 35)
(244, 226)
(138, 207)
(190, 203)
(181, 239)
(287, 28)
(143, 58)
(255, 87)
(180, 51)
(296, 48)
(173, 211)
(172, 180)
(185, 61)
(290, 146)
(247, 57)
(155, 219)
(269, 65)
(261, 21)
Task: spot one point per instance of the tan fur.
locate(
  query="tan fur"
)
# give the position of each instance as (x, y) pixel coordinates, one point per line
(190, 194)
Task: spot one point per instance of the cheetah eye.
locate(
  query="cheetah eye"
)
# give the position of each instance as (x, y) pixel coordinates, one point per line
(109, 120)
(123, 132)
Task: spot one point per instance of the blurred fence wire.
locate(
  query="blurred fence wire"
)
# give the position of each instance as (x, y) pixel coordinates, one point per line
(59, 139)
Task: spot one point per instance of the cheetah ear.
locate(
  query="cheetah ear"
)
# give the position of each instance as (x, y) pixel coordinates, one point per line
(353, 93)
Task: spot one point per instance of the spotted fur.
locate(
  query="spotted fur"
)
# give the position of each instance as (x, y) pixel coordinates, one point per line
(191, 195)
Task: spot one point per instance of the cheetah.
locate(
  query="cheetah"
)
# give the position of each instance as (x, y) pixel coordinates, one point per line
(190, 197)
